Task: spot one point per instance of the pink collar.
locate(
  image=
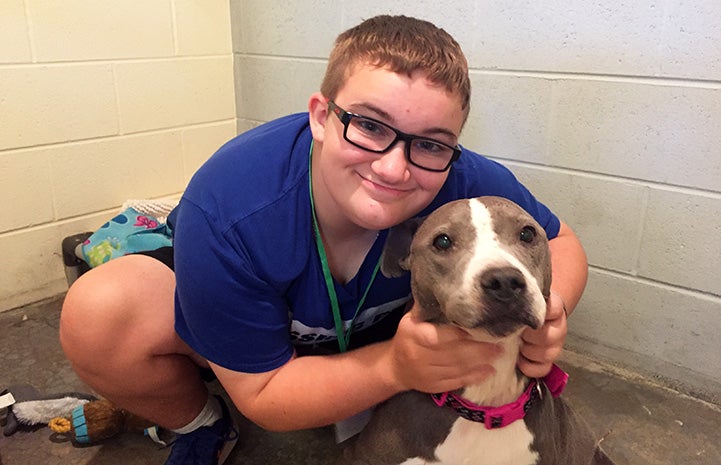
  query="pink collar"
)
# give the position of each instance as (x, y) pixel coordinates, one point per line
(498, 417)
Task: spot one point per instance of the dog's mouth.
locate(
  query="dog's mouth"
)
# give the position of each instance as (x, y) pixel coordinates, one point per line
(507, 321)
(497, 319)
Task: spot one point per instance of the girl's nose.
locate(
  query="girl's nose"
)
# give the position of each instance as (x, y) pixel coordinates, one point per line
(393, 165)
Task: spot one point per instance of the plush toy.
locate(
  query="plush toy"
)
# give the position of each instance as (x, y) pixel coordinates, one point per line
(80, 418)
(98, 420)
(28, 409)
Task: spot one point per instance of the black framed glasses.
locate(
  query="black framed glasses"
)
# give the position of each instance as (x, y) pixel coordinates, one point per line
(377, 137)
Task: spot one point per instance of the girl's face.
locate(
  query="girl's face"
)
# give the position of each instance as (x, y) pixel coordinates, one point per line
(355, 188)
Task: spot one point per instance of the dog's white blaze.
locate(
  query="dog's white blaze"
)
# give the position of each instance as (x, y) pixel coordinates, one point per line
(489, 251)
(470, 443)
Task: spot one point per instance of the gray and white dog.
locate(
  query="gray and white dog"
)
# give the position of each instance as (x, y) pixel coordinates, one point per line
(483, 265)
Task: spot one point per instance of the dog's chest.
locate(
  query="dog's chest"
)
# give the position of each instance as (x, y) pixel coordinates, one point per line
(471, 443)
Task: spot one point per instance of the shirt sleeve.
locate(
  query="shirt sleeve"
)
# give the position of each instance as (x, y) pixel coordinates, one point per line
(223, 310)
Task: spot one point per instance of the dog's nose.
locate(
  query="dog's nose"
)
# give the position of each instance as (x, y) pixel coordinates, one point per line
(503, 284)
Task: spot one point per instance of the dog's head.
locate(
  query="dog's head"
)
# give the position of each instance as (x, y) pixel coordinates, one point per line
(481, 264)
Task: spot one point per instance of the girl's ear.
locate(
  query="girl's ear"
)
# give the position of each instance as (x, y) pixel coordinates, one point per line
(318, 113)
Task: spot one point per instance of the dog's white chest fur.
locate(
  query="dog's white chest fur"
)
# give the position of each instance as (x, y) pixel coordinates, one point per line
(470, 443)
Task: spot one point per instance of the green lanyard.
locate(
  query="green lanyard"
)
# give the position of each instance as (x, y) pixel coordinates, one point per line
(343, 336)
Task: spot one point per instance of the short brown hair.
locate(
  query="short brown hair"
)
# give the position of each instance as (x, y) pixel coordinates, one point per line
(404, 45)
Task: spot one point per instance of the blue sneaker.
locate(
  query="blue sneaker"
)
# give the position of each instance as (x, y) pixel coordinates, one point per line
(209, 445)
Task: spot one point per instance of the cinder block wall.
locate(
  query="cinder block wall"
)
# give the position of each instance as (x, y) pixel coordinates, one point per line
(611, 113)
(100, 102)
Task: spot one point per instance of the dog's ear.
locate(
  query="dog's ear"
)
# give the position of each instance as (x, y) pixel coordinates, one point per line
(547, 277)
(396, 252)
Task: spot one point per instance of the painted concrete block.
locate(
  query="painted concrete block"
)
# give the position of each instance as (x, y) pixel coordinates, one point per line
(599, 37)
(606, 214)
(25, 190)
(660, 322)
(33, 261)
(661, 133)
(451, 15)
(165, 94)
(264, 89)
(94, 176)
(203, 27)
(680, 240)
(509, 117)
(200, 143)
(47, 104)
(274, 28)
(692, 40)
(244, 125)
(14, 36)
(86, 29)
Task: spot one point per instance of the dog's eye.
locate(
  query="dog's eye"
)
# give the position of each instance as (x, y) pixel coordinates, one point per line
(527, 234)
(442, 242)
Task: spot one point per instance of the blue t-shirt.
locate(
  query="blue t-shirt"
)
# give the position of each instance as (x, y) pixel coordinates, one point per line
(249, 283)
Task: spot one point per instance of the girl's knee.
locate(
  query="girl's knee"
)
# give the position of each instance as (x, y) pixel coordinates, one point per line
(83, 323)
(107, 309)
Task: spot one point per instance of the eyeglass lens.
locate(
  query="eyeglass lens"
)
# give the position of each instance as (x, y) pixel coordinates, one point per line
(378, 137)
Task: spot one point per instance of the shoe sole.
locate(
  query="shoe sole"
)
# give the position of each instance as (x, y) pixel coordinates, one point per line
(228, 446)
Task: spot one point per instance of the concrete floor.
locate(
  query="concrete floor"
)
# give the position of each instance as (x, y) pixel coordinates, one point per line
(640, 423)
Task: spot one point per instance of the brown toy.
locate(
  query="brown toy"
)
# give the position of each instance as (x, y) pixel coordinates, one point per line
(98, 420)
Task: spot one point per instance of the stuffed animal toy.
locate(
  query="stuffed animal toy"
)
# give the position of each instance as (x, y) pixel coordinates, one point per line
(100, 419)
(80, 418)
(27, 408)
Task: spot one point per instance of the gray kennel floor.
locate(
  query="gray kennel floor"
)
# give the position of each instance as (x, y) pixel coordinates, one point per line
(641, 423)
